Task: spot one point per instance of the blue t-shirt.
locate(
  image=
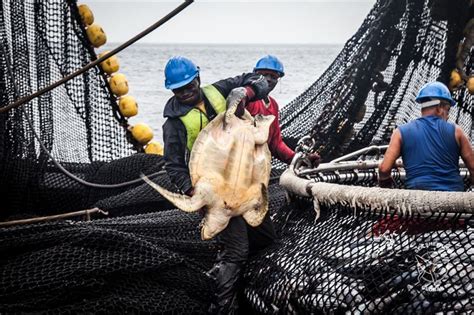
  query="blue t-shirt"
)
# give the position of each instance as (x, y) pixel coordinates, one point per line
(431, 155)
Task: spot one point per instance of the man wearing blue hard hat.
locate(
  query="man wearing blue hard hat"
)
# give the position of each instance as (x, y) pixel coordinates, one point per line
(430, 146)
(192, 107)
(188, 112)
(272, 69)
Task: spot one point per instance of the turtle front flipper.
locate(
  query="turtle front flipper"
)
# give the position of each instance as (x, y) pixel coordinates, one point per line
(257, 209)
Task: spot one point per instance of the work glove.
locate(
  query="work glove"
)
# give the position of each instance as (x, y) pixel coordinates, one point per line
(386, 183)
(315, 159)
(240, 95)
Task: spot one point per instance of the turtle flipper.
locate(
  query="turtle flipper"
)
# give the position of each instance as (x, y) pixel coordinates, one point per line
(262, 128)
(215, 221)
(183, 202)
(257, 209)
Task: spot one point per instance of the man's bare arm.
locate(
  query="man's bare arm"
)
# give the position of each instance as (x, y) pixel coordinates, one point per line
(467, 153)
(391, 155)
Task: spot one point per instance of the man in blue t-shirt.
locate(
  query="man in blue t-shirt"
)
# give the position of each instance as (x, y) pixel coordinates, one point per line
(430, 146)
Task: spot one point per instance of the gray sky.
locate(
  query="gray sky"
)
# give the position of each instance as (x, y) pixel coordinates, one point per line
(265, 22)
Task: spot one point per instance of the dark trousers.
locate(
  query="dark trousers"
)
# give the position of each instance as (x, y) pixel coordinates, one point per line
(237, 242)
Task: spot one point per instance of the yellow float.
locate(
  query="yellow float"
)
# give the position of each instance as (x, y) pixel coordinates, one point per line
(455, 80)
(470, 85)
(154, 147)
(142, 133)
(111, 64)
(86, 14)
(96, 35)
(118, 84)
(128, 106)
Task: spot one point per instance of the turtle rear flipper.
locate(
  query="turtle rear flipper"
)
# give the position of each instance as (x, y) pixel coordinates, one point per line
(258, 208)
(215, 221)
(262, 128)
(183, 202)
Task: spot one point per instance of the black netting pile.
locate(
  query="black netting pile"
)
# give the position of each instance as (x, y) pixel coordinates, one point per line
(152, 260)
(363, 264)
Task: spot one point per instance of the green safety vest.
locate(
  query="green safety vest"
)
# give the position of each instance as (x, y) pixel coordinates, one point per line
(195, 120)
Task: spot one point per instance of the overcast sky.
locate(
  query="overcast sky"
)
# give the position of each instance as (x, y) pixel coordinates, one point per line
(266, 22)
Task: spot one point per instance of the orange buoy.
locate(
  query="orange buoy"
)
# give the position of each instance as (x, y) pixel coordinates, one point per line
(86, 14)
(470, 85)
(109, 65)
(142, 133)
(154, 147)
(128, 106)
(455, 80)
(96, 35)
(118, 84)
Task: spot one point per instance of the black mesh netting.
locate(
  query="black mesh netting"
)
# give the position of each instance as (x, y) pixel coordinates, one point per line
(152, 260)
(78, 122)
(370, 87)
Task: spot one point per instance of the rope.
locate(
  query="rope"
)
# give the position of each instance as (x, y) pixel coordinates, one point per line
(86, 213)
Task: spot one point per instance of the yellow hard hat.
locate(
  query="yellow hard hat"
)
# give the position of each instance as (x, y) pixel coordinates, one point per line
(96, 35)
(470, 85)
(154, 147)
(128, 106)
(142, 133)
(111, 64)
(118, 84)
(86, 14)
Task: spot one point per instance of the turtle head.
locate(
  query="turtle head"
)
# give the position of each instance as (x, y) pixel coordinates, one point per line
(263, 121)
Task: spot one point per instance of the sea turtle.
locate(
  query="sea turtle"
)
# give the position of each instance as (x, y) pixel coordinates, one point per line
(230, 169)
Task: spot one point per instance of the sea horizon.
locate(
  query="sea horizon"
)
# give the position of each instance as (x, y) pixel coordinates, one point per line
(143, 65)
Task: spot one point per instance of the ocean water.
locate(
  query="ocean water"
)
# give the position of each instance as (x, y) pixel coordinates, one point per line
(143, 65)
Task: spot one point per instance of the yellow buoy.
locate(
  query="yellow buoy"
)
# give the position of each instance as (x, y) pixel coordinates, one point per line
(118, 84)
(111, 64)
(455, 80)
(154, 147)
(86, 14)
(470, 85)
(96, 35)
(128, 106)
(142, 133)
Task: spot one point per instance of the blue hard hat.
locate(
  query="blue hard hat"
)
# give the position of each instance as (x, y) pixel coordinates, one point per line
(270, 62)
(179, 71)
(434, 90)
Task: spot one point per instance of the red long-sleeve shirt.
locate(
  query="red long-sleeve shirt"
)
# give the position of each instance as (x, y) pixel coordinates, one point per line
(275, 142)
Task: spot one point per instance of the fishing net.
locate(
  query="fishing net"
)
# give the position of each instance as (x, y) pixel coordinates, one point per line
(149, 257)
(77, 122)
(371, 86)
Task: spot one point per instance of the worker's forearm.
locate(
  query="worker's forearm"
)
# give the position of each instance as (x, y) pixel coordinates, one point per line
(385, 171)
